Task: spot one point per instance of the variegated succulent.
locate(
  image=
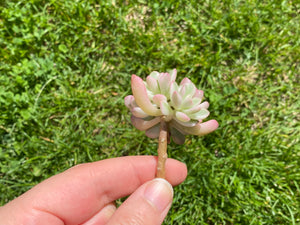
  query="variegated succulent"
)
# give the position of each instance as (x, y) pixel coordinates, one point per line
(180, 105)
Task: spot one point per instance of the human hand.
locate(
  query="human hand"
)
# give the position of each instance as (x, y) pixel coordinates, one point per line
(85, 194)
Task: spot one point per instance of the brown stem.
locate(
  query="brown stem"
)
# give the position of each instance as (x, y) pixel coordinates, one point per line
(162, 149)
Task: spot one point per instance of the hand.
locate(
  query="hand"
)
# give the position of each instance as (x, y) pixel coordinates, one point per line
(85, 194)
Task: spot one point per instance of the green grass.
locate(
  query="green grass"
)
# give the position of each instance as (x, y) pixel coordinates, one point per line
(65, 68)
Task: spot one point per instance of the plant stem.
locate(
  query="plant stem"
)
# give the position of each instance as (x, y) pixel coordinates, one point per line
(162, 149)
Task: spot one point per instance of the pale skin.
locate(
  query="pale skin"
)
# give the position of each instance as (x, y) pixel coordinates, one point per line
(85, 194)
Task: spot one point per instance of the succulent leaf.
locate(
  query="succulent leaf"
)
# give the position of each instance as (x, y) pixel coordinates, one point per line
(187, 103)
(177, 136)
(164, 81)
(158, 98)
(165, 108)
(185, 81)
(152, 84)
(141, 97)
(128, 99)
(173, 74)
(154, 74)
(142, 125)
(190, 90)
(182, 117)
(193, 109)
(198, 94)
(200, 115)
(176, 99)
(138, 112)
(153, 132)
(204, 105)
(196, 101)
(173, 87)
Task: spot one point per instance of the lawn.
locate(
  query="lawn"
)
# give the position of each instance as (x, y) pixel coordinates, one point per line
(65, 68)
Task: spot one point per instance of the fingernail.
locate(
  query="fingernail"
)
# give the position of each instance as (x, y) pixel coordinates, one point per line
(159, 193)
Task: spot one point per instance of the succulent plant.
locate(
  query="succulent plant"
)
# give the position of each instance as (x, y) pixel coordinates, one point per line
(180, 106)
(162, 108)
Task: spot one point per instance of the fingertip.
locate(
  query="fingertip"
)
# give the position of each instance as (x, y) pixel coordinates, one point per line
(159, 193)
(149, 204)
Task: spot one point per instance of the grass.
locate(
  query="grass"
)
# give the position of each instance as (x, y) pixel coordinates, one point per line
(65, 68)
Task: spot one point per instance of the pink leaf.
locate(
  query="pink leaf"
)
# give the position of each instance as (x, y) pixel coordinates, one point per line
(152, 84)
(173, 74)
(198, 94)
(200, 115)
(128, 100)
(176, 99)
(141, 97)
(182, 90)
(142, 125)
(153, 132)
(138, 112)
(164, 81)
(182, 117)
(178, 124)
(185, 81)
(193, 109)
(200, 129)
(204, 105)
(187, 103)
(196, 101)
(196, 108)
(158, 98)
(190, 90)
(177, 136)
(173, 87)
(154, 74)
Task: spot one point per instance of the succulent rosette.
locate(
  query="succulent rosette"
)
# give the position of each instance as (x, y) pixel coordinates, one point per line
(180, 106)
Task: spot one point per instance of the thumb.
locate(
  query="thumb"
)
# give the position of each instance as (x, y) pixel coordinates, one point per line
(149, 204)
